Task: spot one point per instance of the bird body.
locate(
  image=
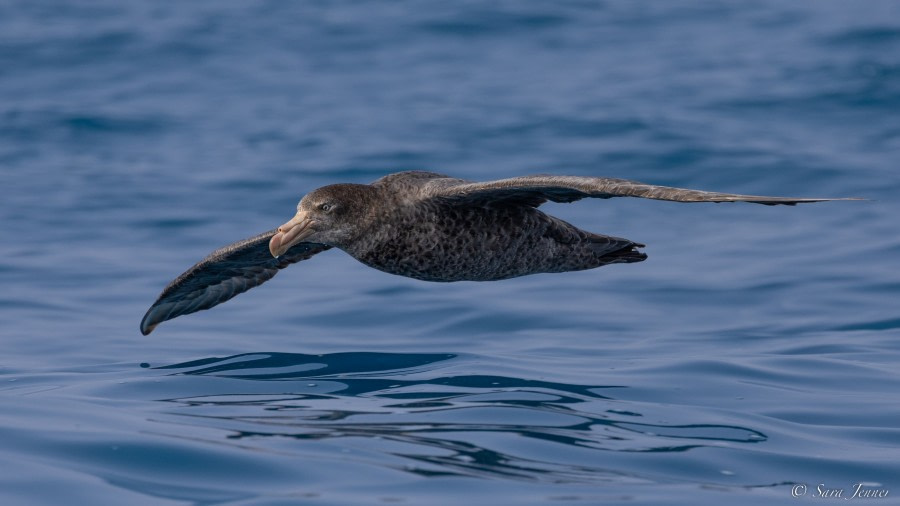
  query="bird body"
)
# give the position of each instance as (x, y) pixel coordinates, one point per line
(411, 231)
(430, 227)
(443, 242)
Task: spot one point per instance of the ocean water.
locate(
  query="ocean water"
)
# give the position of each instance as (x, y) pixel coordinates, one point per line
(754, 357)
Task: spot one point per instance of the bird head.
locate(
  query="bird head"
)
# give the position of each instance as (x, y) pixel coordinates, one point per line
(329, 215)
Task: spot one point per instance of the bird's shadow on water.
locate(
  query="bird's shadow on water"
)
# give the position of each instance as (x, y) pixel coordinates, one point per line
(429, 414)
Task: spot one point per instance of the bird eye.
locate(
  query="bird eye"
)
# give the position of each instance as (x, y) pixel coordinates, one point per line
(325, 207)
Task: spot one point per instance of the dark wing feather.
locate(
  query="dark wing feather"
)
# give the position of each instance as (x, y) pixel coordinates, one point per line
(535, 190)
(222, 275)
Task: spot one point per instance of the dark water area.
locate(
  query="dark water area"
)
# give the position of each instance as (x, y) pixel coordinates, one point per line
(753, 357)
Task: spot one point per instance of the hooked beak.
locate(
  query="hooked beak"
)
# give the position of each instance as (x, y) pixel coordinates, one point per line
(290, 233)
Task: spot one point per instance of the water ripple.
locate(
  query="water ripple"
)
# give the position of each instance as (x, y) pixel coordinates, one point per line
(407, 409)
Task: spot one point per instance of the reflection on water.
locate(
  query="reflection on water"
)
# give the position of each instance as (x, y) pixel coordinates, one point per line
(407, 411)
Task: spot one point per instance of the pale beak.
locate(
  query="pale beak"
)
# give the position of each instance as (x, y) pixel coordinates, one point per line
(290, 233)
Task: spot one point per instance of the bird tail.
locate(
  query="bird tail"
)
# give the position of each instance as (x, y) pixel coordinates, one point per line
(616, 250)
(627, 255)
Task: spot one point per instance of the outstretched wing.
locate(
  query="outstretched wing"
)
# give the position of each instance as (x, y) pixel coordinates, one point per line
(222, 275)
(535, 190)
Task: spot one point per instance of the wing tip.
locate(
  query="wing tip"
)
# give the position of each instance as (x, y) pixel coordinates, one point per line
(157, 314)
(790, 201)
(148, 323)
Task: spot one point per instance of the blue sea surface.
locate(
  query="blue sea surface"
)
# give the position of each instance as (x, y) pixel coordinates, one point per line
(753, 358)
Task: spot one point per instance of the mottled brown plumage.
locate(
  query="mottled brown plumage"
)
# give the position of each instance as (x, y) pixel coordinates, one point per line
(430, 227)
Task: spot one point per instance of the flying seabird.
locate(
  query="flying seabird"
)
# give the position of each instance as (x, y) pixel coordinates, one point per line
(431, 227)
